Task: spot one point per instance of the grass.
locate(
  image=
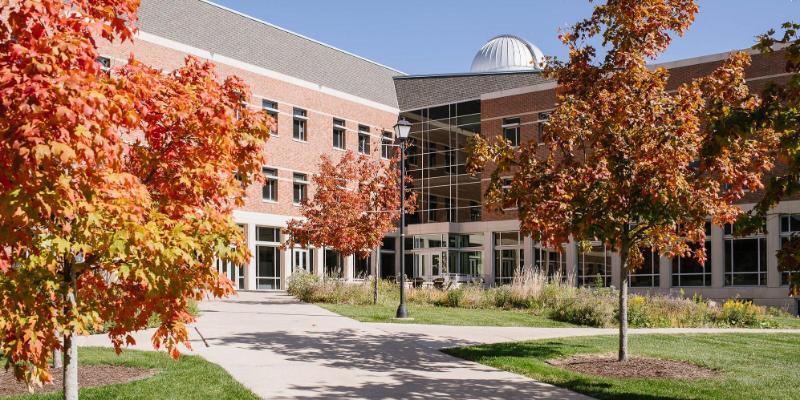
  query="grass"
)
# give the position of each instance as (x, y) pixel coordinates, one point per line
(753, 366)
(191, 377)
(785, 322)
(428, 314)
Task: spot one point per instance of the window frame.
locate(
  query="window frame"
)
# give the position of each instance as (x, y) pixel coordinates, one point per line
(786, 234)
(729, 241)
(386, 145)
(271, 107)
(299, 181)
(512, 124)
(340, 130)
(300, 125)
(270, 179)
(364, 145)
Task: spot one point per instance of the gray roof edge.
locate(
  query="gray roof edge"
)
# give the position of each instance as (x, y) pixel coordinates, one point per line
(465, 74)
(241, 14)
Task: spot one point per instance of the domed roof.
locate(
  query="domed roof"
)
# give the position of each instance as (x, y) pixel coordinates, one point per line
(508, 53)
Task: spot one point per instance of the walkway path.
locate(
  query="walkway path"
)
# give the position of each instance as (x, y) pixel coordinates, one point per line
(284, 349)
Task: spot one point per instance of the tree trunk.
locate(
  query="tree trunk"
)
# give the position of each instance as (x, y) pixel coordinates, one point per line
(623, 305)
(70, 381)
(70, 368)
(375, 278)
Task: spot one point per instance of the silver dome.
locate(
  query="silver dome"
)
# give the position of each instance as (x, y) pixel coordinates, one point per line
(508, 53)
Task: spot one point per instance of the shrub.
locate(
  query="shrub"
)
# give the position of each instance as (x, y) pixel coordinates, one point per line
(737, 312)
(302, 285)
(585, 309)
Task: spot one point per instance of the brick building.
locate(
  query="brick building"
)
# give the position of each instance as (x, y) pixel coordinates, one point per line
(327, 100)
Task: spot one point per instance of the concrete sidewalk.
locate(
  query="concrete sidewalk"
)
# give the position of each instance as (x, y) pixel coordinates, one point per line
(284, 349)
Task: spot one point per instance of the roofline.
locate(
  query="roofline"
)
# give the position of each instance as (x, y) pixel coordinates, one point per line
(458, 74)
(685, 62)
(299, 35)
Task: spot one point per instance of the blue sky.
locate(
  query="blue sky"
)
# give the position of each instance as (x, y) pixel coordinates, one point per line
(441, 36)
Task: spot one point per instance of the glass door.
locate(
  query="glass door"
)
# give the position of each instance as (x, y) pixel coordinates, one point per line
(301, 260)
(268, 271)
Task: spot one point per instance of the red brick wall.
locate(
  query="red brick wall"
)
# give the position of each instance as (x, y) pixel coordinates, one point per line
(282, 151)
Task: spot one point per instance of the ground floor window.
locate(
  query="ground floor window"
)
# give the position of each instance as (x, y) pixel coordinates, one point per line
(387, 262)
(507, 263)
(745, 260)
(233, 272)
(687, 271)
(509, 257)
(302, 260)
(334, 264)
(361, 269)
(550, 262)
(790, 226)
(647, 275)
(268, 271)
(594, 266)
(467, 263)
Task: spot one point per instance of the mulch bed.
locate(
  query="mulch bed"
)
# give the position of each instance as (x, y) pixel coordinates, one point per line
(636, 367)
(88, 376)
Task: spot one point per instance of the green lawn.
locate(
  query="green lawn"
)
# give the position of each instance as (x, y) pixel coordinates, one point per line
(190, 377)
(753, 366)
(428, 314)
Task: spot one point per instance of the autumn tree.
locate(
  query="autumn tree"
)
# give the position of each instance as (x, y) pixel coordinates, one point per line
(116, 190)
(779, 110)
(355, 204)
(626, 158)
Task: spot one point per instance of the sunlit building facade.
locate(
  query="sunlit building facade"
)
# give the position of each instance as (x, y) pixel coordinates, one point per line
(327, 101)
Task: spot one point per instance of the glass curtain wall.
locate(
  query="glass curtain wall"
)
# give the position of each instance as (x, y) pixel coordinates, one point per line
(452, 256)
(437, 163)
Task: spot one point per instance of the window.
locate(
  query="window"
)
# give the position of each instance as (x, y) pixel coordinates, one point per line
(268, 272)
(745, 259)
(387, 262)
(300, 121)
(551, 262)
(302, 260)
(300, 188)
(269, 192)
(594, 266)
(361, 268)
(648, 274)
(543, 118)
(508, 256)
(386, 145)
(363, 139)
(468, 264)
(264, 234)
(687, 271)
(271, 108)
(790, 226)
(334, 264)
(339, 134)
(511, 130)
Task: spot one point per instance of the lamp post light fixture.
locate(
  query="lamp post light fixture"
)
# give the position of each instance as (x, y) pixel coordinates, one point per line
(402, 130)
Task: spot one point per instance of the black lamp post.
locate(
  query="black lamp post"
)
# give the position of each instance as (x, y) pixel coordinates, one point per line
(402, 130)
